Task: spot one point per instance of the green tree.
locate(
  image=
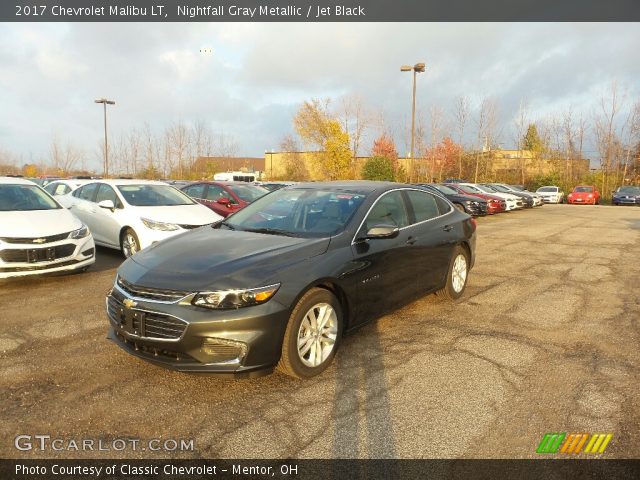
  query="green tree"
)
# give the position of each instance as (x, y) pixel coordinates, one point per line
(532, 141)
(378, 168)
(318, 129)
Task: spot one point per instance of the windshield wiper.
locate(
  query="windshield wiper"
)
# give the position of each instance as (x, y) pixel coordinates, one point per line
(271, 231)
(225, 223)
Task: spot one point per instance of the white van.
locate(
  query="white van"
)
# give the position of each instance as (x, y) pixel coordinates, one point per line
(235, 177)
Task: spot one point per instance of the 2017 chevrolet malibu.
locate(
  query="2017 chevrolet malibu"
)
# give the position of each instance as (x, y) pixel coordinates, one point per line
(130, 215)
(279, 282)
(37, 234)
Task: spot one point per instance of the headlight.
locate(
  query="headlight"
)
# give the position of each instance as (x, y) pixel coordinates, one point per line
(82, 232)
(223, 299)
(165, 227)
(591, 195)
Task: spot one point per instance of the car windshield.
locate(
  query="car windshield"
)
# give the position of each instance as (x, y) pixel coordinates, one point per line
(248, 193)
(469, 189)
(485, 188)
(24, 198)
(629, 189)
(300, 212)
(444, 189)
(584, 189)
(548, 189)
(153, 195)
(500, 188)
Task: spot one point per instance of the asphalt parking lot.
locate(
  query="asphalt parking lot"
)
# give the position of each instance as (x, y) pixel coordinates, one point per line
(545, 339)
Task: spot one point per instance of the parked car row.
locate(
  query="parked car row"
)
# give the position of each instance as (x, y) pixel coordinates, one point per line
(485, 198)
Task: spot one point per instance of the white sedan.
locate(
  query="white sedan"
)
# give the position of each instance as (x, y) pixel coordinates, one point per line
(37, 234)
(130, 215)
(512, 202)
(59, 188)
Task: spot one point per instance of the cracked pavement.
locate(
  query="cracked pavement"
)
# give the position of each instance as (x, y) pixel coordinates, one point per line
(545, 339)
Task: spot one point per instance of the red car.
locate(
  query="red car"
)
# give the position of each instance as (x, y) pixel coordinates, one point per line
(495, 204)
(224, 198)
(584, 194)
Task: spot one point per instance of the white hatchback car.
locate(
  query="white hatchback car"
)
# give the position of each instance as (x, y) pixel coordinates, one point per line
(37, 234)
(130, 215)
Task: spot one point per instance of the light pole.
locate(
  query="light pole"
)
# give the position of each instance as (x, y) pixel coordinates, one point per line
(417, 68)
(105, 102)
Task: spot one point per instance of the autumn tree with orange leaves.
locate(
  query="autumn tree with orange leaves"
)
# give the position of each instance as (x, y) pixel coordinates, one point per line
(445, 156)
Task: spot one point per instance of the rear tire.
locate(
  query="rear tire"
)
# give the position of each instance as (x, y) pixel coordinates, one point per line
(456, 276)
(129, 243)
(313, 334)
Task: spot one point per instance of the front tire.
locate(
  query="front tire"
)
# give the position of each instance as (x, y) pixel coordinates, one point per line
(129, 243)
(456, 276)
(312, 335)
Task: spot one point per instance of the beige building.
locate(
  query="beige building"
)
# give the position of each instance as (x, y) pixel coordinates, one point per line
(505, 163)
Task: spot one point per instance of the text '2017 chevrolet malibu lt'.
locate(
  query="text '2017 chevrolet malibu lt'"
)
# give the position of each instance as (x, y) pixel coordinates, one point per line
(278, 283)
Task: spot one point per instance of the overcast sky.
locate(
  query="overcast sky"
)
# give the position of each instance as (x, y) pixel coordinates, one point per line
(259, 73)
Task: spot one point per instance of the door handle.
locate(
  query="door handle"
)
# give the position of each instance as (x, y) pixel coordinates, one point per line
(447, 228)
(411, 240)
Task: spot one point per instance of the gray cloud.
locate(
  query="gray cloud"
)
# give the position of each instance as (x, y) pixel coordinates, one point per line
(258, 74)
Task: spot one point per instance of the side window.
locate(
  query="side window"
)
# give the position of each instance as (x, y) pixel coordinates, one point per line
(51, 188)
(105, 192)
(62, 189)
(195, 191)
(388, 210)
(88, 192)
(425, 206)
(443, 205)
(214, 192)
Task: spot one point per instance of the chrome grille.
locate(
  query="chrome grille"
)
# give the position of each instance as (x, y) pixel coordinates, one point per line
(34, 255)
(150, 293)
(145, 323)
(41, 240)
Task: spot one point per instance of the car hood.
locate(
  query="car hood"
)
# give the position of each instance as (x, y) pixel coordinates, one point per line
(180, 214)
(208, 258)
(38, 223)
(581, 194)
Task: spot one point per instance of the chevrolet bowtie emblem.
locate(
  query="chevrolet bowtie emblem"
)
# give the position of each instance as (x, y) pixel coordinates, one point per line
(127, 302)
(39, 240)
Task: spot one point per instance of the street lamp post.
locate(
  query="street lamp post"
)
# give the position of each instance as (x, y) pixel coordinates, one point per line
(417, 68)
(105, 102)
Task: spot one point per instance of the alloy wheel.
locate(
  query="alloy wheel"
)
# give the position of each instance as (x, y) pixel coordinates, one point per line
(317, 334)
(129, 245)
(459, 273)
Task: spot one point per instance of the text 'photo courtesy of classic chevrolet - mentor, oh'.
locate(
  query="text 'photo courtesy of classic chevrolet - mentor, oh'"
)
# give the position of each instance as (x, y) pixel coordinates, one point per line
(279, 282)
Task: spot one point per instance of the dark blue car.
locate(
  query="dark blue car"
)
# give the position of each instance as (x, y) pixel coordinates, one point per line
(626, 195)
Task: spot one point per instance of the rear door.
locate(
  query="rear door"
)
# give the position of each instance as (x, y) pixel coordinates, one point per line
(83, 205)
(433, 231)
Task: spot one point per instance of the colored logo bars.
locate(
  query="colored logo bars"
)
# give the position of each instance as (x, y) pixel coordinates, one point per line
(573, 443)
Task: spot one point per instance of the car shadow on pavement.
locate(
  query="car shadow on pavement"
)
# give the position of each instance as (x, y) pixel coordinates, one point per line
(106, 259)
(362, 414)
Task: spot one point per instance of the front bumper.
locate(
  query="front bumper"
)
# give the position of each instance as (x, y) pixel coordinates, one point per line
(477, 210)
(20, 260)
(625, 201)
(251, 337)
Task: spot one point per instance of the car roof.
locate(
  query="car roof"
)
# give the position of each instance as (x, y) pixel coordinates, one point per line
(15, 181)
(362, 186)
(128, 181)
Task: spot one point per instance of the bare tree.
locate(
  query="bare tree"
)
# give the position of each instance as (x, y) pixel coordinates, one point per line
(486, 126)
(605, 133)
(355, 120)
(461, 116)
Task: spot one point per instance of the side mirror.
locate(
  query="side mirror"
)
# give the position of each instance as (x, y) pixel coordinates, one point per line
(107, 204)
(224, 201)
(383, 231)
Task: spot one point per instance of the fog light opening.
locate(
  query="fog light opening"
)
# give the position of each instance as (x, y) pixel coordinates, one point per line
(221, 350)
